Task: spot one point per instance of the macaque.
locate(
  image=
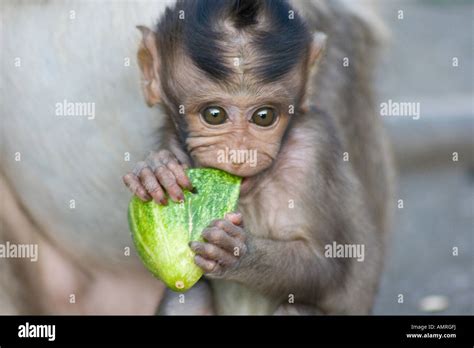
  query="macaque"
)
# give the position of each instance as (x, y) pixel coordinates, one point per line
(257, 77)
(285, 84)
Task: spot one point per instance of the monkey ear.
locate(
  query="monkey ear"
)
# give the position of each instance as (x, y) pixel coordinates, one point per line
(149, 62)
(318, 45)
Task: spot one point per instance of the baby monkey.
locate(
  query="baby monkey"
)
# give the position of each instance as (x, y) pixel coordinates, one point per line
(240, 77)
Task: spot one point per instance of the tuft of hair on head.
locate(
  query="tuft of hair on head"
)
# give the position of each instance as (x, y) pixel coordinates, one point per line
(244, 12)
(280, 41)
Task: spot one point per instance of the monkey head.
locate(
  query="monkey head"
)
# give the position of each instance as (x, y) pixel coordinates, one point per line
(231, 75)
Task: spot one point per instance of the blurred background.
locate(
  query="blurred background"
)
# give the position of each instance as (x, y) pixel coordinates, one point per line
(437, 192)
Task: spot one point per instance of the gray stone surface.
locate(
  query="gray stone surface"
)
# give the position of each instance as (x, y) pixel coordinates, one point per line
(438, 215)
(417, 62)
(438, 194)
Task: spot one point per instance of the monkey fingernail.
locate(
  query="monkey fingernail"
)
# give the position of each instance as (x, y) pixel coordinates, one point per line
(188, 183)
(176, 199)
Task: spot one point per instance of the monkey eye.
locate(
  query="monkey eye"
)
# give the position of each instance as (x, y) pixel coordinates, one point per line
(214, 115)
(264, 117)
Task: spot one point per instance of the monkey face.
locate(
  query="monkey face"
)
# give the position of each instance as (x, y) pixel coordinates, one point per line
(236, 125)
(237, 134)
(230, 86)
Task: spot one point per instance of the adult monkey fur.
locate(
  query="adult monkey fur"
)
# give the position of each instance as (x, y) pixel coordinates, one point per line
(81, 251)
(262, 104)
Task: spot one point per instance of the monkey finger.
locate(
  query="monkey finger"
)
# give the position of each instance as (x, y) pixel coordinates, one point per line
(208, 266)
(212, 252)
(233, 230)
(152, 160)
(168, 181)
(235, 218)
(220, 238)
(168, 159)
(152, 186)
(164, 156)
(139, 167)
(134, 185)
(159, 159)
(180, 175)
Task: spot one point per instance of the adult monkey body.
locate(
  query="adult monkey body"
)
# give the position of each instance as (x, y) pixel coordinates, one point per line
(240, 75)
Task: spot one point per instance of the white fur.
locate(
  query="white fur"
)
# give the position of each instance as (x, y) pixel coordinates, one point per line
(64, 158)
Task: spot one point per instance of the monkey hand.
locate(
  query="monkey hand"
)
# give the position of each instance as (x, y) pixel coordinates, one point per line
(160, 173)
(223, 248)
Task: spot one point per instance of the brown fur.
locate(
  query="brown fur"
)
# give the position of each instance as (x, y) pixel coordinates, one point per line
(334, 200)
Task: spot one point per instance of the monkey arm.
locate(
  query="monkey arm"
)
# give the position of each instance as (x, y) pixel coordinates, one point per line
(276, 267)
(283, 268)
